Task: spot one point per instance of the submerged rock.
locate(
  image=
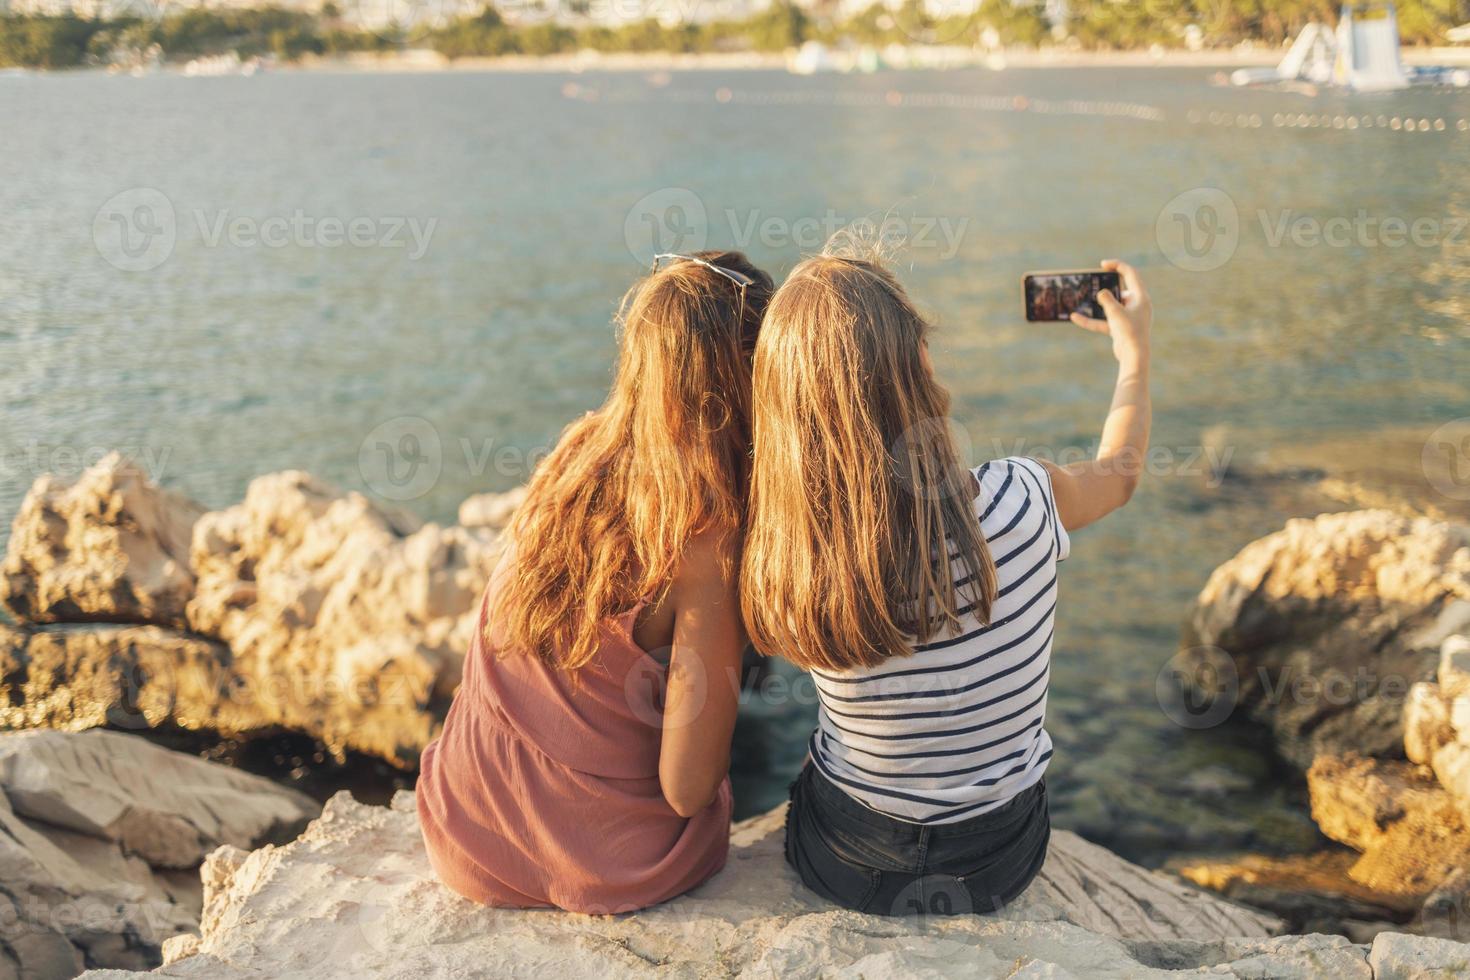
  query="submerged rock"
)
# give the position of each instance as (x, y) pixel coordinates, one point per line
(355, 896)
(1328, 623)
(302, 608)
(100, 833)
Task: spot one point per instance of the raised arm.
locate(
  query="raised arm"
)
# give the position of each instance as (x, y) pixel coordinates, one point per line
(703, 694)
(1093, 489)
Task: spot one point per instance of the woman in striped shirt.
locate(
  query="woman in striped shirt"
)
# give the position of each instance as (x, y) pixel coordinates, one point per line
(920, 594)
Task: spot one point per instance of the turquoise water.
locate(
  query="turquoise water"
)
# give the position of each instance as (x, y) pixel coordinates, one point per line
(258, 341)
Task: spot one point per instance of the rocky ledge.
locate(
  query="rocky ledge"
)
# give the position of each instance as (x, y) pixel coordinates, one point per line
(354, 897)
(101, 838)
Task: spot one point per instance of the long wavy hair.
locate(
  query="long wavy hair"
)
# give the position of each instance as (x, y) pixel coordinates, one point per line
(609, 511)
(859, 502)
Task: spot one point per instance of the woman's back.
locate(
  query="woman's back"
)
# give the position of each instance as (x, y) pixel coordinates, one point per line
(543, 788)
(957, 729)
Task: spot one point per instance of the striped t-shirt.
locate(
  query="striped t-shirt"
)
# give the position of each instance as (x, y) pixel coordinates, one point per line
(956, 729)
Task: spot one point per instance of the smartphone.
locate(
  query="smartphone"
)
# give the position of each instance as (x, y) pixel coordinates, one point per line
(1052, 296)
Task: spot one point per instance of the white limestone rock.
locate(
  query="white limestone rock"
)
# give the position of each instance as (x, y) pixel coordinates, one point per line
(354, 896)
(1399, 956)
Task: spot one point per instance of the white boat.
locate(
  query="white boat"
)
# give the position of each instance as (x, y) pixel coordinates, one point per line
(214, 65)
(812, 58)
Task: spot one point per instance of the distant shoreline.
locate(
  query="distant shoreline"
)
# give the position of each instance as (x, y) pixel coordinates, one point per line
(751, 60)
(743, 61)
(423, 60)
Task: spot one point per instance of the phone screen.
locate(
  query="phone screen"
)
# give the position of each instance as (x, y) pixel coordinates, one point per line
(1052, 296)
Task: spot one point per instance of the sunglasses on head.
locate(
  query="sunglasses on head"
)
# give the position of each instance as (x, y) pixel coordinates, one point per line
(738, 278)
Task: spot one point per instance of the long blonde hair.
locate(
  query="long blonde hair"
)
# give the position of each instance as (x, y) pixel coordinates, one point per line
(858, 498)
(609, 511)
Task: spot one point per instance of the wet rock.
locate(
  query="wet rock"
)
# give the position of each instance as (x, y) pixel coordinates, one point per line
(1329, 623)
(109, 546)
(355, 896)
(100, 836)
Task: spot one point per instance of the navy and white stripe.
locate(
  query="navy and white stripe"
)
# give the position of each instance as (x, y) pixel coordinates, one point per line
(957, 729)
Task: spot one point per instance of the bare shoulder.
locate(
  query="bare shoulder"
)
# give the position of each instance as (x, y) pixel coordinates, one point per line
(708, 568)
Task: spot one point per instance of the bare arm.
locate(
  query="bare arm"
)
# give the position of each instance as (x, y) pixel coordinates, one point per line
(1090, 490)
(703, 694)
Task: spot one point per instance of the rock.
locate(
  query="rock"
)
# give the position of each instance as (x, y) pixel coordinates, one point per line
(1397, 956)
(491, 510)
(1281, 958)
(1454, 684)
(99, 836)
(168, 808)
(1409, 828)
(1451, 763)
(1426, 722)
(109, 546)
(75, 677)
(354, 896)
(301, 609)
(1328, 623)
(366, 617)
(1445, 911)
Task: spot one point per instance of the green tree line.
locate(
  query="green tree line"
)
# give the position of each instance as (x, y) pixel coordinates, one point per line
(67, 41)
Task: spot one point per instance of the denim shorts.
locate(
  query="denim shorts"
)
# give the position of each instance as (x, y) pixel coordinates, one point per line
(865, 860)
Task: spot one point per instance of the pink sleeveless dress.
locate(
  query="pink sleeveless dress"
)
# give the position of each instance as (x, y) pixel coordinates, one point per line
(542, 789)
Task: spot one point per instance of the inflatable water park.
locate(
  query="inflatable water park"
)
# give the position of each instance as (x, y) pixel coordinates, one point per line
(1361, 55)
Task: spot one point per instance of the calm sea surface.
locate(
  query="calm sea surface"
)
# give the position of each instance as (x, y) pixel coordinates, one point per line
(172, 284)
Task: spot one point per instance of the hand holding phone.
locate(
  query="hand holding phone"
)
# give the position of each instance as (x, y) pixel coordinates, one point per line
(1127, 316)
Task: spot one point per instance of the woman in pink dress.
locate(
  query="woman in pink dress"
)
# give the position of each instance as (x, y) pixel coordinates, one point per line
(583, 762)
